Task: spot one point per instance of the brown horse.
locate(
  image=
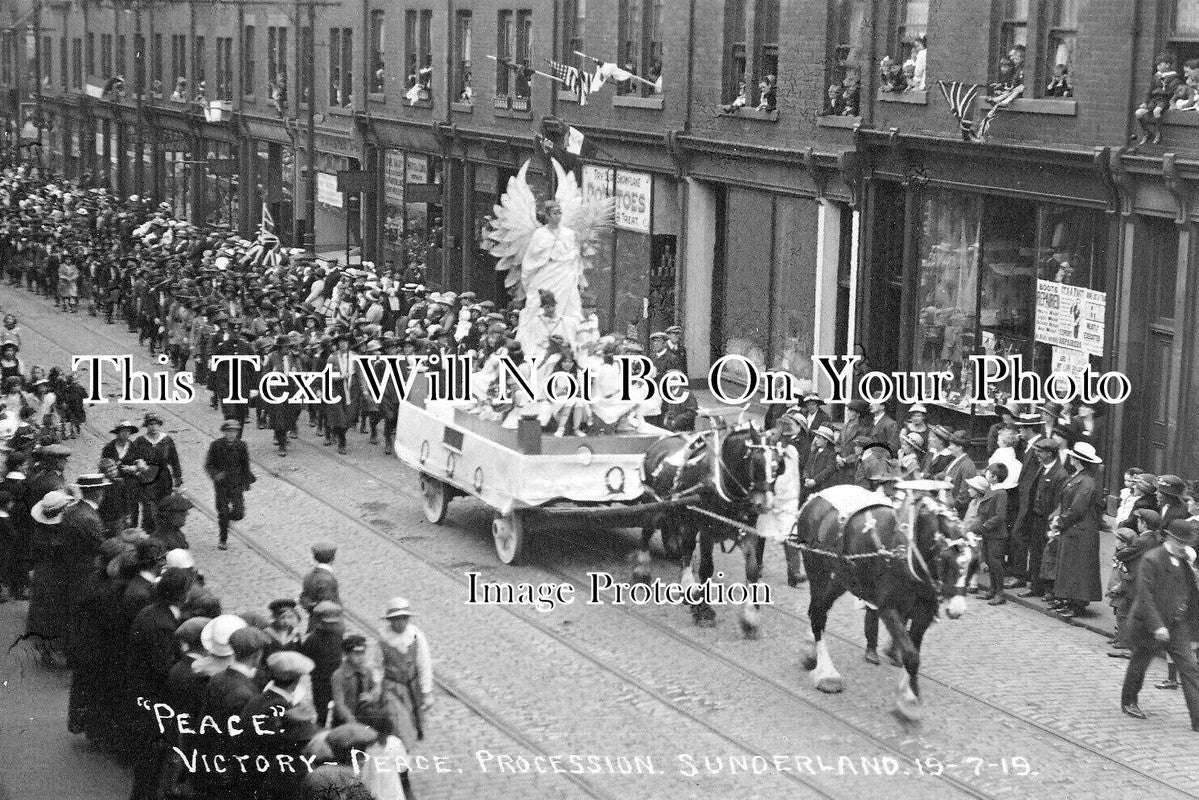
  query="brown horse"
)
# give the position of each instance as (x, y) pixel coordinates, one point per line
(903, 563)
(719, 475)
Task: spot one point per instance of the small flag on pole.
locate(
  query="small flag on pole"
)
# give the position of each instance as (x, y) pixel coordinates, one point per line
(960, 97)
(997, 104)
(268, 222)
(570, 78)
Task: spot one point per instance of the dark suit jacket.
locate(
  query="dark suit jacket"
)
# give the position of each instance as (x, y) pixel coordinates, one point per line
(151, 651)
(1030, 470)
(1049, 489)
(137, 594)
(232, 459)
(885, 430)
(227, 695)
(992, 515)
(1165, 596)
(320, 584)
(323, 646)
(957, 472)
(822, 468)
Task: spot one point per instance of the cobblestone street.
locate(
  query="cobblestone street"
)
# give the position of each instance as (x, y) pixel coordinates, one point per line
(1017, 704)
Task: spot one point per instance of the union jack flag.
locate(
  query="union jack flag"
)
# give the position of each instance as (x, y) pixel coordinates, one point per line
(569, 77)
(960, 96)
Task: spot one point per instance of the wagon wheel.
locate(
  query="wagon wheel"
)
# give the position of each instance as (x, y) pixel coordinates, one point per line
(508, 532)
(436, 498)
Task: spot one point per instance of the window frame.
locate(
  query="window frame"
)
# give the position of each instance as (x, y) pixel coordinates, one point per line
(505, 49)
(199, 71)
(1183, 46)
(90, 53)
(574, 32)
(900, 37)
(377, 47)
(46, 67)
(836, 68)
(524, 52)
(64, 63)
(156, 63)
(249, 68)
(463, 47)
(106, 55)
(748, 55)
(119, 61)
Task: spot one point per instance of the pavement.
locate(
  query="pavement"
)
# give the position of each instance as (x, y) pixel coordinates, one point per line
(1017, 704)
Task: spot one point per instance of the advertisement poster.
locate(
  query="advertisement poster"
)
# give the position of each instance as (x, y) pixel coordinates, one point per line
(634, 193)
(1070, 316)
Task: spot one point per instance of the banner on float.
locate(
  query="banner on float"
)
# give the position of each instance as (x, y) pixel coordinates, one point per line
(1070, 317)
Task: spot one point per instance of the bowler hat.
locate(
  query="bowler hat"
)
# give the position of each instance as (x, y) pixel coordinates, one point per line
(96, 481)
(1028, 420)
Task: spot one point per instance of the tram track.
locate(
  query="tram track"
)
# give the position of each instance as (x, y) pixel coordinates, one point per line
(813, 788)
(577, 546)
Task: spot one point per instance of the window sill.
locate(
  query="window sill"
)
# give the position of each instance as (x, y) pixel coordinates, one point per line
(752, 113)
(463, 108)
(377, 97)
(835, 121)
(633, 101)
(914, 98)
(1182, 119)
(419, 104)
(1051, 106)
(342, 111)
(508, 113)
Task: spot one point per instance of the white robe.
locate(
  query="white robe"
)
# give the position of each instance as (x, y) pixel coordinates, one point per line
(551, 263)
(777, 523)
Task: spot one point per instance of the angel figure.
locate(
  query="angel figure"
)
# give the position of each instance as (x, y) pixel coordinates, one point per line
(551, 257)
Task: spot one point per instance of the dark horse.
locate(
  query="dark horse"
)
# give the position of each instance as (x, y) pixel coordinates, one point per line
(901, 562)
(729, 473)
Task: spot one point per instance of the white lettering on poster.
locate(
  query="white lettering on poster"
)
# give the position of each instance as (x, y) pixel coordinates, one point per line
(393, 177)
(598, 183)
(634, 192)
(326, 190)
(418, 169)
(1070, 316)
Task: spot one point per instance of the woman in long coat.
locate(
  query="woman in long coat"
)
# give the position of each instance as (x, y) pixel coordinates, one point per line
(1078, 581)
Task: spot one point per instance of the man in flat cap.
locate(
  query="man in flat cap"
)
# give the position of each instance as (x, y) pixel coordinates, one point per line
(172, 516)
(286, 733)
(320, 584)
(228, 465)
(323, 646)
(353, 683)
(227, 695)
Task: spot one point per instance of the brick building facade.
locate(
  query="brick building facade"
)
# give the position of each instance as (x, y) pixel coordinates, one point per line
(775, 230)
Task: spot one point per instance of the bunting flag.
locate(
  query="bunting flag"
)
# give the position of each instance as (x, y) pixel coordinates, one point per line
(575, 140)
(960, 97)
(268, 222)
(571, 78)
(997, 104)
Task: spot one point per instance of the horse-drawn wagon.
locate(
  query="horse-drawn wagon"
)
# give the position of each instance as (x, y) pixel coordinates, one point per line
(523, 474)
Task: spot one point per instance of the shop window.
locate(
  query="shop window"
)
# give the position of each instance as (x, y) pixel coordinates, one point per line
(514, 41)
(249, 68)
(574, 22)
(106, 55)
(639, 49)
(378, 49)
(845, 58)
(419, 55)
(462, 57)
(750, 56)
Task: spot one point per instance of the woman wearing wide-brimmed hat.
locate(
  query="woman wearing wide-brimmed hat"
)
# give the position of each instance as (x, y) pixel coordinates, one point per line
(1078, 581)
(162, 473)
(132, 457)
(47, 618)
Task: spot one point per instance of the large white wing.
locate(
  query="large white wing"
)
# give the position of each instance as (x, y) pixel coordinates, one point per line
(588, 219)
(511, 227)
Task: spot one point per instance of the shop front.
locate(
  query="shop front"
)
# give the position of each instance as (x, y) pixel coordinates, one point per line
(634, 269)
(988, 274)
(413, 213)
(274, 175)
(220, 199)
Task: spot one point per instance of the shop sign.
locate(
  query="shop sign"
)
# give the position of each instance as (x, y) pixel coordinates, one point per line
(1071, 362)
(634, 195)
(598, 183)
(418, 169)
(1070, 316)
(393, 180)
(326, 190)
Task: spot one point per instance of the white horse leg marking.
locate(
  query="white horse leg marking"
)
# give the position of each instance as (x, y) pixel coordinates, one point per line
(907, 704)
(688, 578)
(826, 676)
(751, 619)
(641, 572)
(807, 652)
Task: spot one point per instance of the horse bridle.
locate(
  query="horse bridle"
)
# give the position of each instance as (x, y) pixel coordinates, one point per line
(914, 559)
(721, 473)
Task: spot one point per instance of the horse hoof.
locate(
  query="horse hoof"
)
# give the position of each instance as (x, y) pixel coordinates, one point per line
(871, 657)
(796, 580)
(830, 685)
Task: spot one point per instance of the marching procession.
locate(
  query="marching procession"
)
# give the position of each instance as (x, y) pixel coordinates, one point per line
(116, 596)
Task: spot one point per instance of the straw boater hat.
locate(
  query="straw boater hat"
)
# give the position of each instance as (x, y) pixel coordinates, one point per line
(825, 432)
(215, 636)
(1084, 451)
(48, 510)
(979, 482)
(96, 481)
(398, 607)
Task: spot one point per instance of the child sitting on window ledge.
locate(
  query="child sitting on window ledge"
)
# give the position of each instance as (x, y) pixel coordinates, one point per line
(851, 93)
(891, 77)
(766, 94)
(1186, 97)
(1008, 83)
(1059, 84)
(739, 102)
(1157, 100)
